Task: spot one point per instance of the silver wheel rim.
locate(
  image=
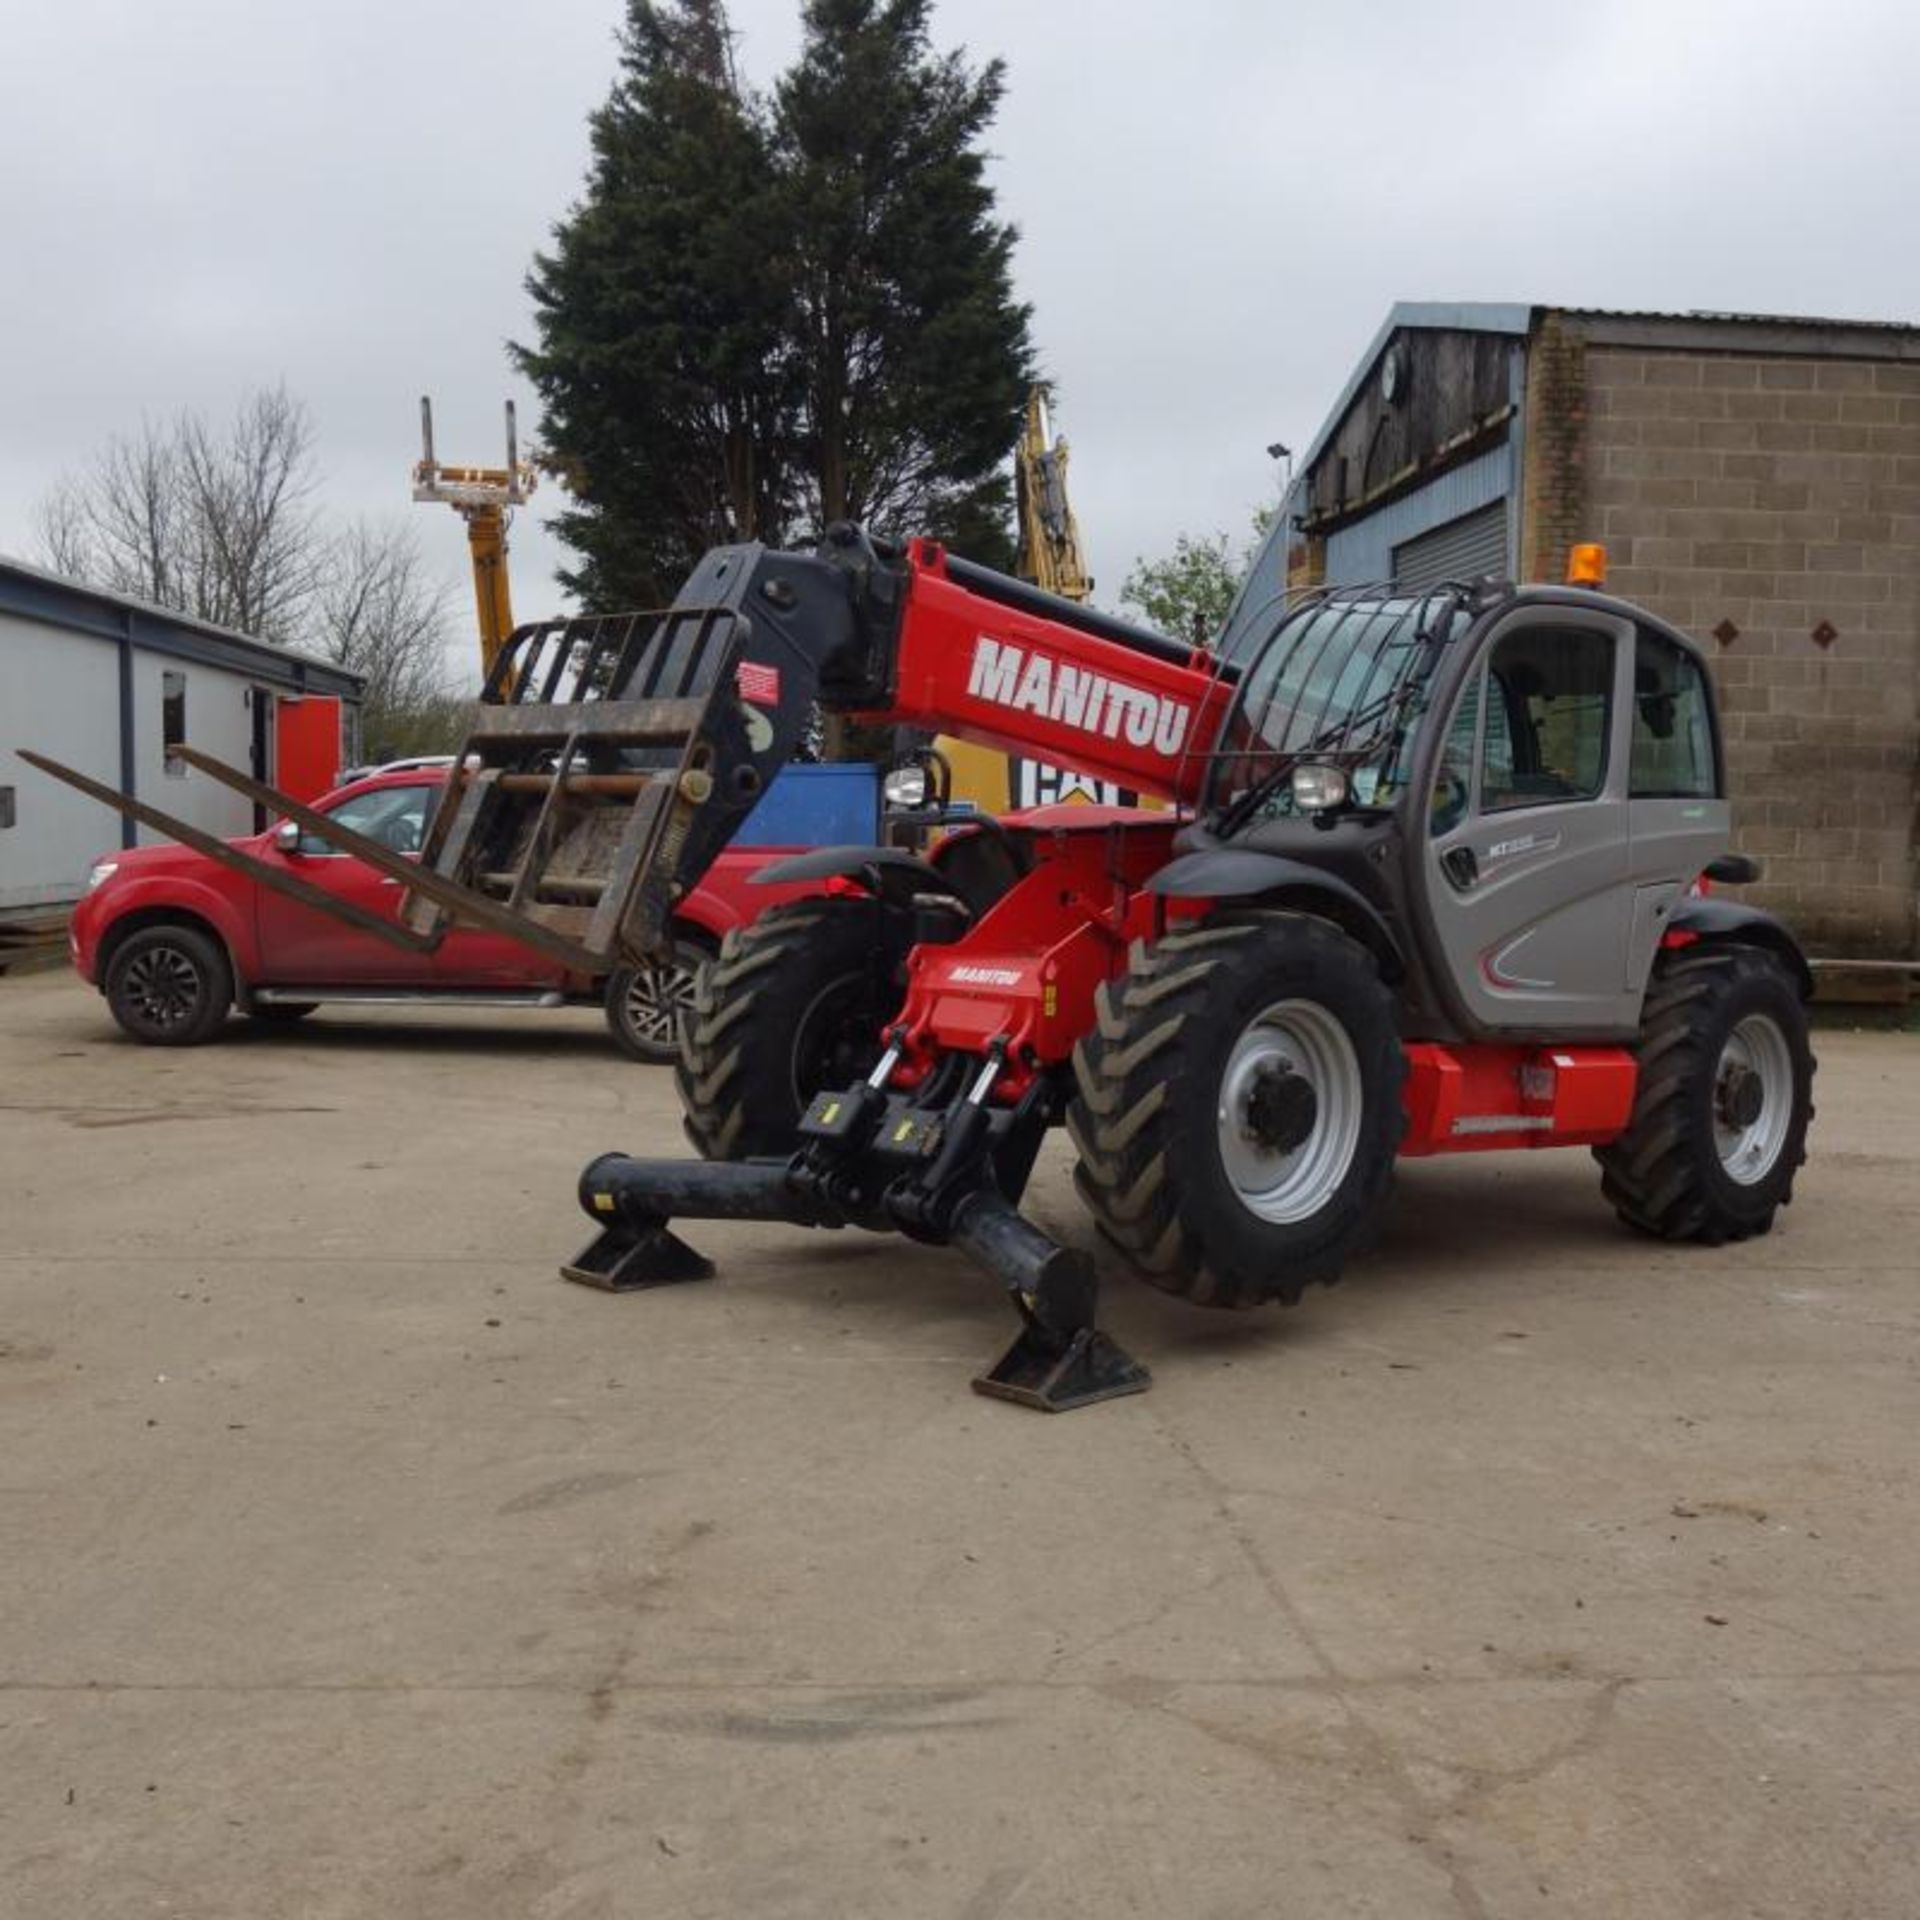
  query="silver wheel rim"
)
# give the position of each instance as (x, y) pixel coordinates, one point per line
(164, 985)
(1297, 1037)
(654, 1000)
(1749, 1150)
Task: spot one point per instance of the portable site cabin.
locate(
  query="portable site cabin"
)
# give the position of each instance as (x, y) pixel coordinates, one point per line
(106, 684)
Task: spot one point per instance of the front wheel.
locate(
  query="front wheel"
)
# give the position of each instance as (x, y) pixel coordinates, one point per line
(169, 986)
(1238, 1108)
(644, 1004)
(794, 1004)
(1724, 1099)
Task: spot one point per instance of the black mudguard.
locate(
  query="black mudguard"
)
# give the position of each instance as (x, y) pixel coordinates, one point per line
(890, 873)
(1734, 922)
(1239, 873)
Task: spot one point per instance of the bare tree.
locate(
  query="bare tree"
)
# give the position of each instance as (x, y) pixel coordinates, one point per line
(223, 524)
(378, 611)
(249, 505)
(219, 524)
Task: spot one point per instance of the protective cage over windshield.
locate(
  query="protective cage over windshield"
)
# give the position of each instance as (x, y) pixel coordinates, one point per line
(1338, 681)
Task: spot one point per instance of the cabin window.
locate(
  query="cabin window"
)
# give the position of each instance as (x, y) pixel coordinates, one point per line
(173, 720)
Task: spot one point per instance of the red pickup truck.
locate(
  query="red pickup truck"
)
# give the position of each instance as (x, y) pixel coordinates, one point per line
(174, 939)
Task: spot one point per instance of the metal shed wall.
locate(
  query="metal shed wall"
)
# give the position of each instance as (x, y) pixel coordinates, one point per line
(1464, 549)
(1364, 551)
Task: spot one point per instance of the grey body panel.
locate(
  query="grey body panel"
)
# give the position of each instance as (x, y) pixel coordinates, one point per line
(1671, 841)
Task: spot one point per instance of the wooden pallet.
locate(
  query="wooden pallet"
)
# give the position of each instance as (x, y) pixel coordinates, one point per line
(33, 938)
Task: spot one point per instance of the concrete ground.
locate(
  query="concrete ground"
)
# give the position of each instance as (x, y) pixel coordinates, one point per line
(355, 1566)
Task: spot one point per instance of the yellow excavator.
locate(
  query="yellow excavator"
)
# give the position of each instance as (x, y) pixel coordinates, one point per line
(484, 497)
(1049, 557)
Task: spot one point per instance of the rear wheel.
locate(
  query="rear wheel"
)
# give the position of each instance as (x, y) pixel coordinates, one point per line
(169, 986)
(1238, 1108)
(644, 1004)
(795, 1002)
(1725, 1096)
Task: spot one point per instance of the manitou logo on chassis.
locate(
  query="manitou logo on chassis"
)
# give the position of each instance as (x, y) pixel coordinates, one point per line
(1008, 677)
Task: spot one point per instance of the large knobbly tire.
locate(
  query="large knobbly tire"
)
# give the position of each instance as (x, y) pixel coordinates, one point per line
(169, 986)
(795, 1002)
(1201, 1157)
(1724, 1099)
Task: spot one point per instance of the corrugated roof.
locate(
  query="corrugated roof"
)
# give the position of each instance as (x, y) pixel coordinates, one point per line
(1823, 323)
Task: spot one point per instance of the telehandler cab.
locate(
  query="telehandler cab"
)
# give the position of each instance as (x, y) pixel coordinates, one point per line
(1442, 885)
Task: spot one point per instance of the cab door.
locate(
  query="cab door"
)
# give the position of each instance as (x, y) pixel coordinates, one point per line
(1528, 868)
(300, 945)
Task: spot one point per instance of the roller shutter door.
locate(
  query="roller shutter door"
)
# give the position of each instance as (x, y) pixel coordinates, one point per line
(1463, 549)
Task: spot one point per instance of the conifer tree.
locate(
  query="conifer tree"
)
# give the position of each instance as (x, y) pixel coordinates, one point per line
(764, 316)
(662, 358)
(913, 355)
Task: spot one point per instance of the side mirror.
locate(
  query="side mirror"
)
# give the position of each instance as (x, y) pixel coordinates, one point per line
(286, 836)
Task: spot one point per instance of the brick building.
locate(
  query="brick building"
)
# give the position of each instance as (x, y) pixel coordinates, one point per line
(1756, 481)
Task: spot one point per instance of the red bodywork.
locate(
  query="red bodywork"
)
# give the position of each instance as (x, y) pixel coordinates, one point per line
(1029, 968)
(276, 942)
(1004, 677)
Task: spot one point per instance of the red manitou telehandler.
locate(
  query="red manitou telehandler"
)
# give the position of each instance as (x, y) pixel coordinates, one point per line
(1440, 881)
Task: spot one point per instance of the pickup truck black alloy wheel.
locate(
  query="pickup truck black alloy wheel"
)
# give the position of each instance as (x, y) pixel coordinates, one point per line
(1725, 1096)
(169, 986)
(795, 1002)
(1237, 1107)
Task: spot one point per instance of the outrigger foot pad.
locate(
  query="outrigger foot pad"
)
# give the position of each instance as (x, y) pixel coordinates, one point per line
(1041, 1370)
(621, 1260)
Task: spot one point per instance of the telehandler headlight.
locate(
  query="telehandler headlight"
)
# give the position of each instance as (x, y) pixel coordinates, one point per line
(1318, 789)
(905, 787)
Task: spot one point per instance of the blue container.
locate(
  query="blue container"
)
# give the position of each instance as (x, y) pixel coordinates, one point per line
(826, 806)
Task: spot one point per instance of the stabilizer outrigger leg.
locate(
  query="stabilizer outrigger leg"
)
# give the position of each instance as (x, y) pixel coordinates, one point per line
(1060, 1360)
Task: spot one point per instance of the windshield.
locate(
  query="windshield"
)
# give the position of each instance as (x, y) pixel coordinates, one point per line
(1338, 681)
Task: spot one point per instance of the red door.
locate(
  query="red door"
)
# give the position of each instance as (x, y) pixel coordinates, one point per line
(300, 945)
(306, 745)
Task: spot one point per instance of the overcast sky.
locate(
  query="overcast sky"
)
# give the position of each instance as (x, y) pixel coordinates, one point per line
(1218, 203)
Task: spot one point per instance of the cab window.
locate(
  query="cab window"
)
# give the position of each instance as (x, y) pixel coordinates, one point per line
(1453, 779)
(1673, 755)
(1549, 711)
(394, 816)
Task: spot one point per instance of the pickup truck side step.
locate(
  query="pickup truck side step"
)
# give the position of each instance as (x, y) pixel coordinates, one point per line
(399, 997)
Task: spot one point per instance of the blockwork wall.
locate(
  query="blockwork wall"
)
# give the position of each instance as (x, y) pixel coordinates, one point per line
(1770, 507)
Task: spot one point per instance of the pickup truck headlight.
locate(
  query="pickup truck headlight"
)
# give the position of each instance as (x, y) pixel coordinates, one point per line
(101, 870)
